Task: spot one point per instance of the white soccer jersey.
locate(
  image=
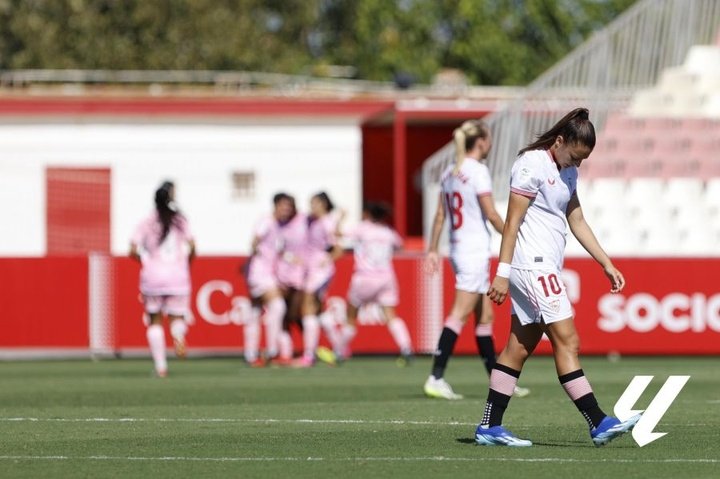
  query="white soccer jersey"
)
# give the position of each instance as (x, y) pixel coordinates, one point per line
(469, 234)
(541, 239)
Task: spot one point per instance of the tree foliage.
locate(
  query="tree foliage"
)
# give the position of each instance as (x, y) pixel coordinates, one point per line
(505, 42)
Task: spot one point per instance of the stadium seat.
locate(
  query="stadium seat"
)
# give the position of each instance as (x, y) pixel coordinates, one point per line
(678, 78)
(651, 102)
(683, 192)
(702, 58)
(602, 166)
(620, 122)
(712, 196)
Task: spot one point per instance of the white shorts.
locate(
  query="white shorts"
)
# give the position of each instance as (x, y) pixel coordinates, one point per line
(539, 296)
(472, 273)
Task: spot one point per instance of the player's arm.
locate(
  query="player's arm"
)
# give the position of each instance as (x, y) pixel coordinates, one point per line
(487, 205)
(336, 251)
(585, 236)
(517, 207)
(134, 252)
(191, 253)
(432, 261)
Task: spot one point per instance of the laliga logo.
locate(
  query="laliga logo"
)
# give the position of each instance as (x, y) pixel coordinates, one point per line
(643, 431)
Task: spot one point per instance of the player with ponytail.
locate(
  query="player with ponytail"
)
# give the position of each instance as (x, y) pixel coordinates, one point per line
(466, 201)
(164, 246)
(543, 204)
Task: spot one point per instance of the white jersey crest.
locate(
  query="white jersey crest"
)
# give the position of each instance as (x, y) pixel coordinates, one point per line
(469, 234)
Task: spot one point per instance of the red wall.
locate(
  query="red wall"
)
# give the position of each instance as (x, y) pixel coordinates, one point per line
(422, 141)
(668, 306)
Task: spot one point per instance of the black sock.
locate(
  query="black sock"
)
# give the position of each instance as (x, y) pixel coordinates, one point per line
(486, 348)
(587, 404)
(497, 402)
(446, 344)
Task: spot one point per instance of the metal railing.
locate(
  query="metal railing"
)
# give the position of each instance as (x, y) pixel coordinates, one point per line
(601, 74)
(242, 82)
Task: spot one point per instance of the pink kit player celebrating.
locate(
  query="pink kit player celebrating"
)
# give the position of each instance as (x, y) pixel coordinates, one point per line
(373, 280)
(164, 246)
(263, 285)
(321, 251)
(291, 276)
(543, 202)
(466, 199)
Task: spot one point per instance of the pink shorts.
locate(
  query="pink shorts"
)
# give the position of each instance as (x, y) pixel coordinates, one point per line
(172, 305)
(291, 276)
(260, 279)
(318, 279)
(372, 289)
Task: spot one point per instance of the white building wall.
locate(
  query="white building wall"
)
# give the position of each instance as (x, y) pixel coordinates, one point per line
(299, 159)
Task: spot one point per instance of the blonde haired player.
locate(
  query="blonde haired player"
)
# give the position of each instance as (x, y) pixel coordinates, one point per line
(466, 200)
(543, 203)
(164, 246)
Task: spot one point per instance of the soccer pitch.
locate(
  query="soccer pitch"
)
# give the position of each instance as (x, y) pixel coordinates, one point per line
(367, 418)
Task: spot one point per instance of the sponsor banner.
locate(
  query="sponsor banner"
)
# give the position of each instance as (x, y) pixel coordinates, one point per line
(44, 302)
(670, 306)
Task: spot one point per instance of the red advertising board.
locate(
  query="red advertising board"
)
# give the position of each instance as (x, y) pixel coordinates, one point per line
(669, 306)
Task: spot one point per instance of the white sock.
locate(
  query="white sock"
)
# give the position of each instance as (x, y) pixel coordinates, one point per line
(178, 329)
(348, 333)
(156, 339)
(400, 334)
(332, 332)
(251, 336)
(311, 335)
(286, 345)
(273, 325)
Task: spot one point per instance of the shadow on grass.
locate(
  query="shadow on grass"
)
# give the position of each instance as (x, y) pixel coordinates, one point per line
(471, 441)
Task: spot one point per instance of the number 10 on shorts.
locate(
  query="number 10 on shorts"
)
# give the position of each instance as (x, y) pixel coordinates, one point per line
(550, 284)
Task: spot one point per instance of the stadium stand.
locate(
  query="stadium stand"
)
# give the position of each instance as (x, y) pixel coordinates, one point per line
(652, 184)
(659, 159)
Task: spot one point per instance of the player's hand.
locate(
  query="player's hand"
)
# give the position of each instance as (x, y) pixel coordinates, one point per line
(499, 289)
(617, 280)
(432, 262)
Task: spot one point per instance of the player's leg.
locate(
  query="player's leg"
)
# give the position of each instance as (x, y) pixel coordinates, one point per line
(435, 385)
(483, 338)
(348, 331)
(484, 318)
(311, 329)
(400, 334)
(566, 345)
(155, 333)
(251, 335)
(178, 310)
(503, 380)
(275, 309)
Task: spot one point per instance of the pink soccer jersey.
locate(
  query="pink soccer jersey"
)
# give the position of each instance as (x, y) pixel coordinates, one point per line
(319, 265)
(262, 269)
(374, 278)
(291, 264)
(165, 266)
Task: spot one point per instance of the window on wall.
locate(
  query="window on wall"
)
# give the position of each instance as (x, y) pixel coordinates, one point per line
(243, 184)
(77, 210)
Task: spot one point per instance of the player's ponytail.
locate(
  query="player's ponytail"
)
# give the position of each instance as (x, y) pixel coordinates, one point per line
(166, 208)
(575, 127)
(464, 138)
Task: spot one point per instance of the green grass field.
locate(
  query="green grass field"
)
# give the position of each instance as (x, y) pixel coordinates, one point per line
(368, 418)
